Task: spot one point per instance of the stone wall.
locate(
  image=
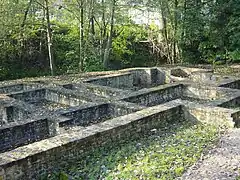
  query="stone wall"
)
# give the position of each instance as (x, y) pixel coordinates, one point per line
(11, 88)
(156, 95)
(18, 87)
(64, 98)
(53, 95)
(68, 115)
(30, 95)
(212, 115)
(232, 103)
(142, 78)
(12, 114)
(87, 116)
(200, 76)
(236, 118)
(44, 156)
(16, 134)
(122, 81)
(147, 77)
(104, 91)
(158, 76)
(201, 92)
(94, 114)
(233, 84)
(118, 109)
(138, 78)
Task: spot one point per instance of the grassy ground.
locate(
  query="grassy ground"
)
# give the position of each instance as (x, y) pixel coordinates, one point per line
(228, 70)
(160, 154)
(238, 178)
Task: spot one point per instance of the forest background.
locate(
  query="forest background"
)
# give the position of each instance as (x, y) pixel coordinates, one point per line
(53, 37)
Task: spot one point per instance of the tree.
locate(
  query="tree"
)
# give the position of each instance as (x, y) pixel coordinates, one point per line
(110, 35)
(49, 38)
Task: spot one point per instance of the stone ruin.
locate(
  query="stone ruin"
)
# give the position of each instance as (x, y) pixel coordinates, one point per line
(47, 122)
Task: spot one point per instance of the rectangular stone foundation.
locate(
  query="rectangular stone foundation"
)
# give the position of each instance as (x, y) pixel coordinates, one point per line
(32, 160)
(42, 157)
(56, 120)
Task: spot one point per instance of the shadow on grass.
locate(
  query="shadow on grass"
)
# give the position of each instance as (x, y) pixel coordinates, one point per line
(162, 153)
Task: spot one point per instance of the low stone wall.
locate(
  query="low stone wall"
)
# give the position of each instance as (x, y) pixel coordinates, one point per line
(132, 79)
(31, 161)
(147, 77)
(121, 81)
(18, 87)
(11, 88)
(86, 116)
(118, 109)
(158, 76)
(232, 103)
(30, 95)
(76, 114)
(17, 134)
(57, 95)
(64, 98)
(142, 77)
(236, 118)
(12, 114)
(200, 77)
(211, 115)
(94, 114)
(156, 96)
(202, 92)
(232, 84)
(103, 91)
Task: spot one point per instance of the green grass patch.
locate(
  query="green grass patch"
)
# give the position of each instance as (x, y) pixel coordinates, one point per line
(238, 177)
(160, 154)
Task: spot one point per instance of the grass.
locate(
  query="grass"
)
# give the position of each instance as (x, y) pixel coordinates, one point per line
(227, 70)
(160, 154)
(238, 177)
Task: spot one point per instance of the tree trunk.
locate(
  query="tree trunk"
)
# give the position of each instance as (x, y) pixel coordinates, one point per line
(109, 42)
(183, 27)
(175, 32)
(26, 13)
(102, 33)
(81, 37)
(92, 26)
(21, 37)
(165, 33)
(49, 39)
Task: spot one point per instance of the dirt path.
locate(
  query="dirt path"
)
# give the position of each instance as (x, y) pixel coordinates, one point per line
(220, 163)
